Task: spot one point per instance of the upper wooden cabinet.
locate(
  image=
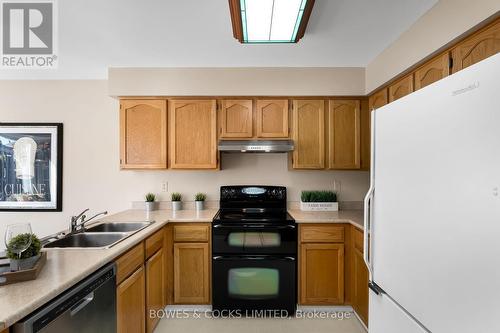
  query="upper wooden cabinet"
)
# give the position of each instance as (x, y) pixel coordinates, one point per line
(236, 118)
(143, 134)
(378, 99)
(193, 134)
(432, 71)
(477, 47)
(344, 134)
(308, 134)
(272, 118)
(401, 88)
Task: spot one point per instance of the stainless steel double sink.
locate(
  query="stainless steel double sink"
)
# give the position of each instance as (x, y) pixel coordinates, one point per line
(102, 235)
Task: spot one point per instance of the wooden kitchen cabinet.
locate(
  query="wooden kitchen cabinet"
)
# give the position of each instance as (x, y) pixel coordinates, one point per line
(375, 101)
(193, 134)
(191, 273)
(131, 303)
(321, 274)
(236, 118)
(359, 276)
(479, 46)
(378, 99)
(143, 134)
(344, 134)
(155, 288)
(272, 118)
(401, 88)
(432, 71)
(308, 133)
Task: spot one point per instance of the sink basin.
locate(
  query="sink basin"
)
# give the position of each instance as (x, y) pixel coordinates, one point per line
(119, 227)
(88, 240)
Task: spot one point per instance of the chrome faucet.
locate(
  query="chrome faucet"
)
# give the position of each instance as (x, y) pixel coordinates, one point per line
(80, 227)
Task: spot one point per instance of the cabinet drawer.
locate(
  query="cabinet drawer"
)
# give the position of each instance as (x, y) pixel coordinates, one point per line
(191, 233)
(154, 243)
(322, 234)
(129, 262)
(357, 236)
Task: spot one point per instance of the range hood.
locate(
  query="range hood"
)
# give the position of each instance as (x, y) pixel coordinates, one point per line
(255, 146)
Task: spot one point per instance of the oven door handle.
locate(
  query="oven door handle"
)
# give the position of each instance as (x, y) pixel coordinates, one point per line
(217, 258)
(255, 226)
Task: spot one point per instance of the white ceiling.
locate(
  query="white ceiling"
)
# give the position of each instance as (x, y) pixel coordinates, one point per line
(97, 34)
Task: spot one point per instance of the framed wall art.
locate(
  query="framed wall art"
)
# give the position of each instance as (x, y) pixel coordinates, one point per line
(31, 166)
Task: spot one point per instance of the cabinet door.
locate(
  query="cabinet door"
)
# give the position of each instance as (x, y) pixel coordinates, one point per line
(143, 134)
(308, 134)
(191, 273)
(155, 288)
(321, 277)
(375, 101)
(401, 88)
(130, 304)
(344, 134)
(432, 71)
(272, 118)
(193, 134)
(479, 46)
(236, 119)
(360, 286)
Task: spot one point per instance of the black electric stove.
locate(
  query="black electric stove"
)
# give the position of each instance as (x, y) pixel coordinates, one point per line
(254, 248)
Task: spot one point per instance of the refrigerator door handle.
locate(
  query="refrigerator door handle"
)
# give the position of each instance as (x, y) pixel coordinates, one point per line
(367, 230)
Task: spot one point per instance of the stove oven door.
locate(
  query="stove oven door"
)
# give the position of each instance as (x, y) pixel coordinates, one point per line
(251, 284)
(251, 239)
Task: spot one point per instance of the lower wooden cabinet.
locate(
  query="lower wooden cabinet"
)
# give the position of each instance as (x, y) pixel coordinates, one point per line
(360, 286)
(321, 274)
(155, 288)
(131, 303)
(191, 273)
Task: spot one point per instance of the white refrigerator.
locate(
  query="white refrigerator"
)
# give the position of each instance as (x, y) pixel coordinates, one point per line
(432, 214)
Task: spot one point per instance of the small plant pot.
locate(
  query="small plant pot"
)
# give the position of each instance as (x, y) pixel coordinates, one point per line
(23, 264)
(176, 205)
(319, 206)
(150, 206)
(200, 205)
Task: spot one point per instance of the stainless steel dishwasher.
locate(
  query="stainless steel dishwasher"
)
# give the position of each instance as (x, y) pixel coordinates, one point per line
(88, 307)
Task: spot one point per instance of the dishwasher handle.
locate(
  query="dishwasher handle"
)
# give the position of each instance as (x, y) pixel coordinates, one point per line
(82, 303)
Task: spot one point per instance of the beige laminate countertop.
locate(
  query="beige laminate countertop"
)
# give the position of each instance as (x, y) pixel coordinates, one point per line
(354, 217)
(66, 267)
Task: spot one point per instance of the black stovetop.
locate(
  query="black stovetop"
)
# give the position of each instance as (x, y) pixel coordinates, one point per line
(252, 216)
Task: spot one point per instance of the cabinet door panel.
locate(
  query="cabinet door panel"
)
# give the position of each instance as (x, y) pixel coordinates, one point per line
(360, 285)
(321, 274)
(479, 46)
(432, 71)
(344, 134)
(191, 273)
(401, 88)
(309, 134)
(143, 134)
(130, 304)
(237, 119)
(378, 99)
(272, 118)
(193, 134)
(155, 288)
(375, 101)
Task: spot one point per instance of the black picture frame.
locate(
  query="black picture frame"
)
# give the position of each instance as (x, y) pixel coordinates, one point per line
(36, 126)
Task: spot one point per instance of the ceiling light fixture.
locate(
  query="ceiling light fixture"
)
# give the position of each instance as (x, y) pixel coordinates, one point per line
(270, 21)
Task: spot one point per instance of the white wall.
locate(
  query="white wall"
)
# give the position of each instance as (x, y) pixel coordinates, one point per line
(444, 22)
(91, 157)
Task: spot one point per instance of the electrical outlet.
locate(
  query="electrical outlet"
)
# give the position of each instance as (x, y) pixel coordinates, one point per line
(164, 186)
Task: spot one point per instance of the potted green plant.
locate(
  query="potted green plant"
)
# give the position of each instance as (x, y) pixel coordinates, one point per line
(176, 201)
(28, 257)
(199, 200)
(319, 201)
(150, 202)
